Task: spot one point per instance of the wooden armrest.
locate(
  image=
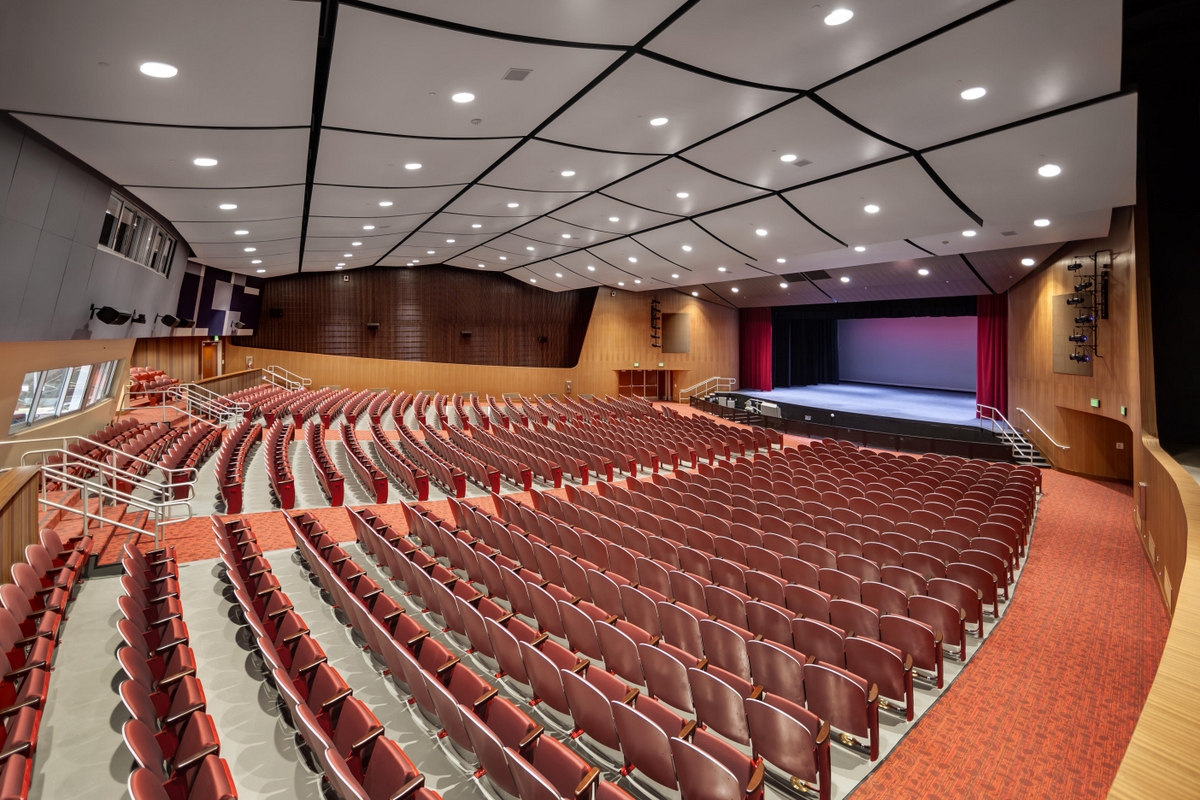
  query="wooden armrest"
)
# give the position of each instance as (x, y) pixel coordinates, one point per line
(585, 785)
(258, 572)
(415, 641)
(873, 695)
(23, 747)
(581, 667)
(449, 665)
(369, 737)
(483, 700)
(822, 734)
(171, 720)
(295, 636)
(810, 660)
(611, 619)
(702, 664)
(279, 612)
(337, 698)
(687, 730)
(756, 692)
(371, 594)
(196, 758)
(503, 619)
(630, 696)
(530, 737)
(310, 666)
(8, 711)
(539, 639)
(654, 640)
(178, 676)
(756, 777)
(20, 671)
(267, 591)
(410, 788)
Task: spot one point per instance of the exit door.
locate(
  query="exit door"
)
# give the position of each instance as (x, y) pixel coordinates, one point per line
(208, 360)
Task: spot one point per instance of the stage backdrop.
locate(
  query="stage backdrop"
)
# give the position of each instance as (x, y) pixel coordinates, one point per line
(925, 352)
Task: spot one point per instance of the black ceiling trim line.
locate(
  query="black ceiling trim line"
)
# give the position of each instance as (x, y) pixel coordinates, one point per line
(967, 261)
(760, 269)
(914, 43)
(720, 297)
(922, 249)
(459, 27)
(941, 184)
(806, 218)
(593, 83)
(717, 76)
(250, 242)
(389, 188)
(633, 238)
(766, 191)
(381, 216)
(323, 62)
(635, 205)
(602, 259)
(740, 123)
(211, 188)
(818, 288)
(136, 124)
(577, 225)
(226, 222)
(573, 146)
(1104, 98)
(360, 132)
(858, 126)
(573, 272)
(722, 241)
(535, 191)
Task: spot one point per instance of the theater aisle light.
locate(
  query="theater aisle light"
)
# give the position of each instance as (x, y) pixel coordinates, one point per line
(973, 93)
(462, 97)
(228, 206)
(1041, 223)
(1027, 262)
(838, 16)
(1049, 170)
(156, 69)
(204, 161)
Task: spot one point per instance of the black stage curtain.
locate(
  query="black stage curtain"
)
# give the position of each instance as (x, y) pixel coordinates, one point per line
(806, 352)
(876, 309)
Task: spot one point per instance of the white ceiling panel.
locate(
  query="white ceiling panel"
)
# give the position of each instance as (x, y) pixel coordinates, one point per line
(786, 43)
(616, 114)
(397, 76)
(1030, 55)
(659, 187)
(551, 231)
(205, 233)
(363, 203)
(235, 252)
(704, 253)
(553, 277)
(910, 205)
(1084, 225)
(629, 255)
(608, 215)
(802, 130)
(786, 233)
(470, 223)
(441, 241)
(586, 264)
(540, 165)
(335, 249)
(599, 21)
(204, 205)
(137, 155)
(1095, 147)
(493, 202)
(351, 229)
(522, 250)
(357, 159)
(849, 257)
(83, 59)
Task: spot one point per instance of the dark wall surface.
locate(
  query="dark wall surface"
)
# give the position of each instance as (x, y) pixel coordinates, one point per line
(422, 315)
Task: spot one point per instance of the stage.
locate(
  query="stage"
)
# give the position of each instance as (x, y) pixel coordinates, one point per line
(882, 409)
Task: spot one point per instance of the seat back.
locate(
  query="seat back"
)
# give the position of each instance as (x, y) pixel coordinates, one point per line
(718, 706)
(725, 648)
(785, 738)
(490, 751)
(590, 709)
(837, 696)
(644, 745)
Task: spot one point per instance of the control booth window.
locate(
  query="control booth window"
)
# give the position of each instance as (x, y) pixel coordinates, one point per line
(133, 233)
(53, 393)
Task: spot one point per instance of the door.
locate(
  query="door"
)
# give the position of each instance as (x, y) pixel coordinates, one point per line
(208, 360)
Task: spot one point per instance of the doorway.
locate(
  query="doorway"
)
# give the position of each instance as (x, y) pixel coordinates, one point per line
(209, 360)
(651, 384)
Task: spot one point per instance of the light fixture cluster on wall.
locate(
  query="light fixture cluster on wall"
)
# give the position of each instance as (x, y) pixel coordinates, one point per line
(1090, 299)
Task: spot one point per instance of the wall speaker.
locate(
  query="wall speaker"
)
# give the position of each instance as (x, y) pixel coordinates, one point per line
(372, 326)
(111, 316)
(543, 339)
(177, 322)
(466, 334)
(237, 326)
(275, 312)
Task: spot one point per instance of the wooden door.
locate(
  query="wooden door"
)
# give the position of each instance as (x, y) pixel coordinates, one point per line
(208, 360)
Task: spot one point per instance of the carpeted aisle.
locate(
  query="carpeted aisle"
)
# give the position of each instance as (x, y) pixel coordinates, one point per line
(1047, 707)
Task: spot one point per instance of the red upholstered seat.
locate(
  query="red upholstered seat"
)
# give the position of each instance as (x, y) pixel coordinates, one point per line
(846, 701)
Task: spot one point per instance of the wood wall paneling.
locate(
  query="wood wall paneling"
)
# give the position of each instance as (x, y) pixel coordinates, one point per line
(18, 514)
(178, 356)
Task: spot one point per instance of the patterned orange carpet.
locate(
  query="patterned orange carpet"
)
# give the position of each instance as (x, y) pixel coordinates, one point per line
(1047, 707)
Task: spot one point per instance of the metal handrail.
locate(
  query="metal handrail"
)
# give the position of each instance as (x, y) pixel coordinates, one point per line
(722, 384)
(290, 380)
(83, 459)
(1043, 430)
(1022, 447)
(164, 405)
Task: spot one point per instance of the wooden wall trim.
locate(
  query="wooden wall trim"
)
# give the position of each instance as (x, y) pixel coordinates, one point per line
(18, 514)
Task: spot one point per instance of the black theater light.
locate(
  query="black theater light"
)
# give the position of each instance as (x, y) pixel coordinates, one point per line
(1086, 319)
(110, 316)
(1075, 267)
(1074, 301)
(372, 326)
(1079, 287)
(1078, 338)
(1082, 358)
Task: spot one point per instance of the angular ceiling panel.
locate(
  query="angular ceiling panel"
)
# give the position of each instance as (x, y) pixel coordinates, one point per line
(769, 232)
(660, 188)
(555, 168)
(356, 159)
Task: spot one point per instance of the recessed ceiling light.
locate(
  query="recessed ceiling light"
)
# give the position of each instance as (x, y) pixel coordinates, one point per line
(428, 252)
(566, 236)
(228, 206)
(449, 241)
(720, 269)
(681, 195)
(504, 258)
(687, 248)
(974, 94)
(968, 233)
(860, 249)
(783, 286)
(838, 16)
(922, 271)
(533, 280)
(356, 244)
(249, 249)
(341, 264)
(1027, 262)
(256, 261)
(788, 158)
(558, 274)
(658, 121)
(735, 288)
(347, 255)
(416, 261)
(591, 268)
(204, 162)
(1041, 223)
(513, 205)
(481, 266)
(637, 280)
(620, 283)
(845, 279)
(632, 260)
(476, 225)
(462, 97)
(260, 270)
(761, 231)
(385, 203)
(240, 233)
(695, 294)
(675, 275)
(158, 70)
(871, 208)
(529, 249)
(614, 219)
(1049, 170)
(781, 261)
(567, 173)
(368, 227)
(413, 165)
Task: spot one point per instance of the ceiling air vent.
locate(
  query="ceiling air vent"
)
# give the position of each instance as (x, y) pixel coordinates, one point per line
(793, 277)
(515, 74)
(1008, 233)
(804, 162)
(818, 275)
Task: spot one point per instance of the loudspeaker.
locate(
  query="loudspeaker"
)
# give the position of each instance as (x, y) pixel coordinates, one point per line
(275, 312)
(111, 316)
(372, 326)
(465, 334)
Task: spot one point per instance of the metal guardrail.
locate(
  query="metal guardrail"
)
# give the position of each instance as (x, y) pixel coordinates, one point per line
(1023, 449)
(1043, 430)
(278, 376)
(707, 387)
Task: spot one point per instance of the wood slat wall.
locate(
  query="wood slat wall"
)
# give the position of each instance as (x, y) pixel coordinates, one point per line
(617, 337)
(178, 356)
(233, 381)
(18, 514)
(422, 314)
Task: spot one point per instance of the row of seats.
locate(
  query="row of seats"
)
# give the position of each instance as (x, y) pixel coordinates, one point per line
(379, 406)
(231, 463)
(452, 479)
(256, 398)
(279, 466)
(333, 484)
(544, 468)
(593, 445)
(139, 454)
(485, 476)
(516, 472)
(412, 477)
(369, 475)
(188, 453)
(331, 406)
(173, 741)
(305, 407)
(566, 462)
(599, 465)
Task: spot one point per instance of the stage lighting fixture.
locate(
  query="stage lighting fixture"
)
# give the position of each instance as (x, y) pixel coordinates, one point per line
(1074, 267)
(1086, 319)
(1078, 338)
(110, 316)
(237, 326)
(1079, 287)
(1074, 301)
(1082, 358)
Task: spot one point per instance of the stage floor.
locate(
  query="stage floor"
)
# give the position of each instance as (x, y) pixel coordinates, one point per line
(924, 405)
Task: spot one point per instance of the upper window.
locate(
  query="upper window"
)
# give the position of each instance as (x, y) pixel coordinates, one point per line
(134, 234)
(55, 392)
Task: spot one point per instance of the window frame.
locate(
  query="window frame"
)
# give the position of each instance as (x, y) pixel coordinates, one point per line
(141, 233)
(98, 388)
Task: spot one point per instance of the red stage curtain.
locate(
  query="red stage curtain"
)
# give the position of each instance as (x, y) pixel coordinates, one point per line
(755, 339)
(991, 356)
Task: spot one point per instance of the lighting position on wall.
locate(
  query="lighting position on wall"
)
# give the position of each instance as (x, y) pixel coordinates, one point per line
(1078, 338)
(1083, 358)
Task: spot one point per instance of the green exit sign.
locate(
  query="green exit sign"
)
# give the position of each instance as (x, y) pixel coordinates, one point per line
(636, 364)
(1095, 402)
